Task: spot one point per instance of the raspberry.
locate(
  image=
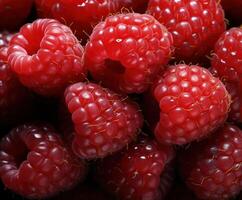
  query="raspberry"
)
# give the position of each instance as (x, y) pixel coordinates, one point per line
(126, 51)
(212, 168)
(192, 104)
(13, 13)
(195, 25)
(80, 15)
(232, 10)
(104, 121)
(35, 163)
(137, 172)
(46, 56)
(15, 100)
(5, 38)
(227, 59)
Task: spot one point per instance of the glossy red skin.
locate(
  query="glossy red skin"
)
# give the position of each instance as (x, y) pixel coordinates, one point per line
(212, 168)
(127, 51)
(227, 58)
(232, 10)
(195, 26)
(104, 121)
(46, 57)
(192, 104)
(48, 168)
(14, 13)
(137, 172)
(5, 38)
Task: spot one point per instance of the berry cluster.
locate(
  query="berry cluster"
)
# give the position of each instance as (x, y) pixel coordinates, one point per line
(121, 99)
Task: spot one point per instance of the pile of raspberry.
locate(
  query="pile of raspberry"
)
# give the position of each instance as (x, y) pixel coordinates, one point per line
(121, 99)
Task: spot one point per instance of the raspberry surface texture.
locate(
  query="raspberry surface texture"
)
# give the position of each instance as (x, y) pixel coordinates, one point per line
(104, 122)
(13, 13)
(195, 25)
(46, 57)
(227, 59)
(5, 38)
(126, 51)
(213, 168)
(192, 104)
(137, 173)
(35, 163)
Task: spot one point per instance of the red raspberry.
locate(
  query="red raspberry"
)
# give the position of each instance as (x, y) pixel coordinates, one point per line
(80, 15)
(127, 51)
(46, 56)
(192, 104)
(15, 99)
(137, 173)
(104, 121)
(195, 25)
(234, 114)
(232, 10)
(227, 59)
(5, 38)
(13, 13)
(35, 163)
(213, 168)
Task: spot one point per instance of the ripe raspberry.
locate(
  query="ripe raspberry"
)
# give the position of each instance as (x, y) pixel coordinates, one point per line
(195, 25)
(5, 38)
(213, 168)
(13, 13)
(104, 121)
(234, 114)
(15, 100)
(137, 173)
(46, 56)
(232, 10)
(227, 59)
(192, 104)
(127, 51)
(35, 163)
(80, 15)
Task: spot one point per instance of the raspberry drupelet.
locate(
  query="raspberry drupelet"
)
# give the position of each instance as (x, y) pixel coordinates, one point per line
(195, 25)
(35, 163)
(46, 57)
(104, 121)
(142, 171)
(126, 51)
(192, 104)
(227, 58)
(213, 168)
